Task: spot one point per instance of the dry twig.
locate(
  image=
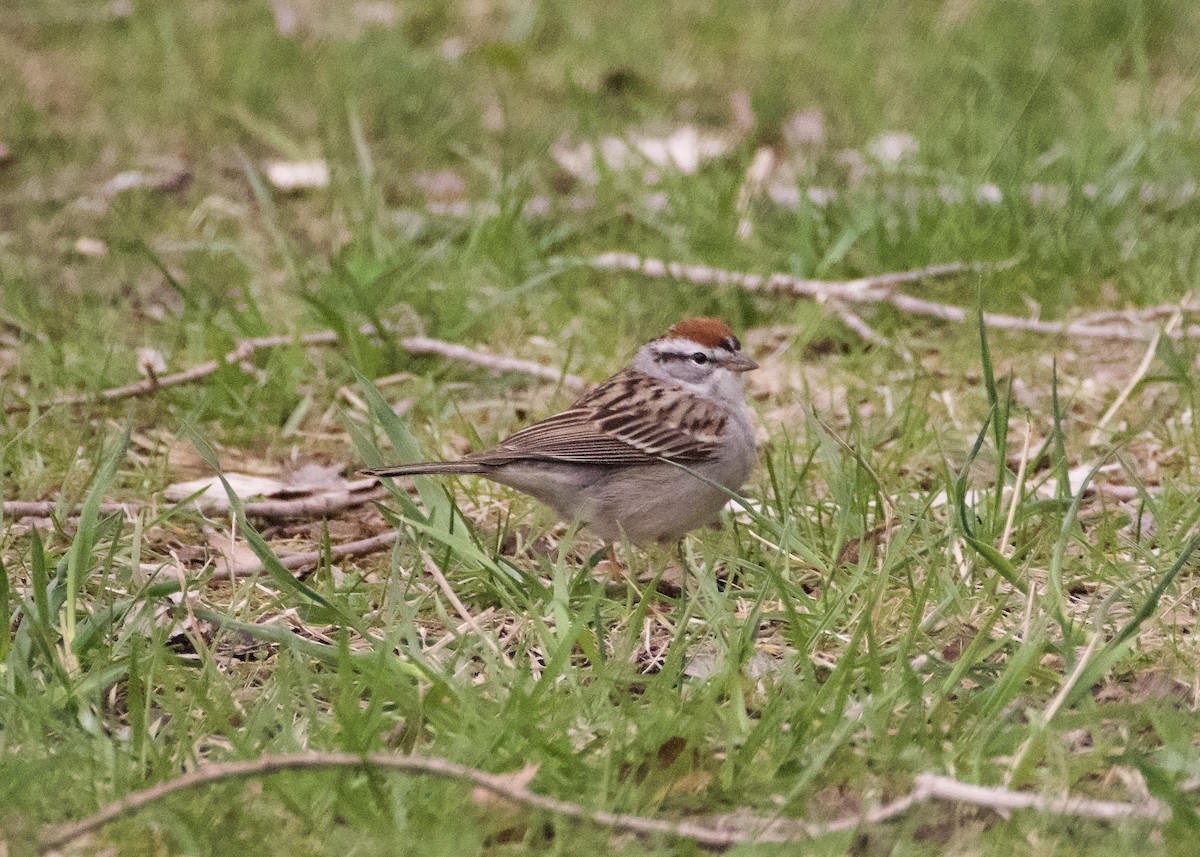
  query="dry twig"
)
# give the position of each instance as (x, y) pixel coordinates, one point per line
(495, 362)
(319, 506)
(884, 289)
(247, 347)
(304, 561)
(719, 832)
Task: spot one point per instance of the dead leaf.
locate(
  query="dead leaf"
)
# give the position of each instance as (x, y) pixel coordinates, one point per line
(701, 665)
(377, 13)
(232, 555)
(805, 128)
(292, 176)
(163, 180)
(1075, 477)
(1077, 740)
(1151, 685)
(344, 21)
(958, 643)
(670, 750)
(853, 548)
(691, 783)
(151, 363)
(315, 478)
(243, 485)
(762, 663)
(742, 107)
(892, 148)
(578, 161)
(93, 247)
(682, 150)
(182, 458)
(440, 185)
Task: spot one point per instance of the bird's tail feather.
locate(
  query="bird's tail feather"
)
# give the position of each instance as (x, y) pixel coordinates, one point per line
(428, 467)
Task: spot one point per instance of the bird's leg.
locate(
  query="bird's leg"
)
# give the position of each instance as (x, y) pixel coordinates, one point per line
(614, 570)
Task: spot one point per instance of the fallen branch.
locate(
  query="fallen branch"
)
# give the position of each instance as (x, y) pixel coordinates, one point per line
(935, 786)
(882, 289)
(495, 362)
(310, 559)
(247, 347)
(720, 832)
(319, 506)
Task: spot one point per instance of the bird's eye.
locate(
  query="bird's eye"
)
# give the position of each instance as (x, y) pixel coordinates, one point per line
(700, 358)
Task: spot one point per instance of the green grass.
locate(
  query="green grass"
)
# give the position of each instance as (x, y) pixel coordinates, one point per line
(871, 623)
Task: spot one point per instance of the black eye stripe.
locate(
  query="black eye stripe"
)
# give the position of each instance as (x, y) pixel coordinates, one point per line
(700, 358)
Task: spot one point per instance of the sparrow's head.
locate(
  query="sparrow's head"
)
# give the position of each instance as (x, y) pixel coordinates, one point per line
(701, 354)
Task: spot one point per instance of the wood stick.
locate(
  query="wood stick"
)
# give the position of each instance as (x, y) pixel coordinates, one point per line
(318, 506)
(309, 559)
(883, 289)
(717, 832)
(495, 362)
(247, 347)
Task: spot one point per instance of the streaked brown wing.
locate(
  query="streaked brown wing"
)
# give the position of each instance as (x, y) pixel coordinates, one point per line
(630, 419)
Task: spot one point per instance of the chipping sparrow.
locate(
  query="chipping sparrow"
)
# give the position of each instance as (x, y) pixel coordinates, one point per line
(605, 461)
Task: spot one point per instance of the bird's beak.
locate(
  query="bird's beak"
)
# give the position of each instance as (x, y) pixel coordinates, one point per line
(740, 363)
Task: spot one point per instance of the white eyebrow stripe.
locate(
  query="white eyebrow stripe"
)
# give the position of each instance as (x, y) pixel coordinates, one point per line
(685, 347)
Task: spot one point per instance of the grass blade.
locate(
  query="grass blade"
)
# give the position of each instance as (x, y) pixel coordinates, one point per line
(271, 563)
(436, 502)
(79, 556)
(5, 612)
